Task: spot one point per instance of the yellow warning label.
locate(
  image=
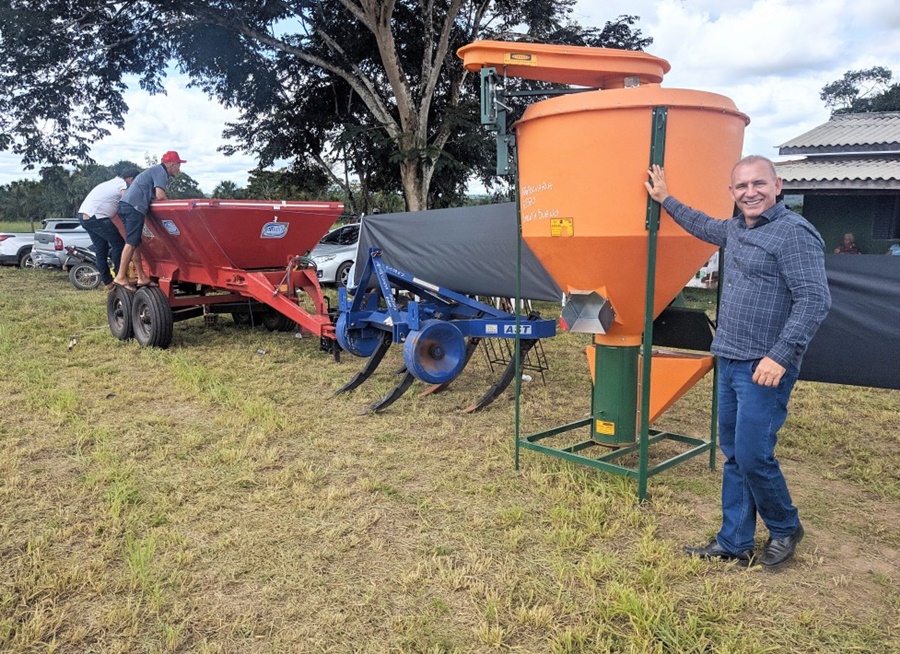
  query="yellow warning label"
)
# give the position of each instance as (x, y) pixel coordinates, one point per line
(605, 427)
(520, 59)
(562, 227)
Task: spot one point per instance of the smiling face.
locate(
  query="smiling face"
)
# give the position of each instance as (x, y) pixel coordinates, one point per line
(754, 187)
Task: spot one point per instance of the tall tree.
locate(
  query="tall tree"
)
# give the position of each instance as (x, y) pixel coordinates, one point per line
(372, 86)
(227, 190)
(62, 70)
(58, 193)
(862, 91)
(21, 200)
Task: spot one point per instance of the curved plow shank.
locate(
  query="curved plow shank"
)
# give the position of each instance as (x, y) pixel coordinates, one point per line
(471, 346)
(369, 368)
(506, 378)
(394, 395)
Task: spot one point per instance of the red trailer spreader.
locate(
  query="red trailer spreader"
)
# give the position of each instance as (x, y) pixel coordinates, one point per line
(218, 256)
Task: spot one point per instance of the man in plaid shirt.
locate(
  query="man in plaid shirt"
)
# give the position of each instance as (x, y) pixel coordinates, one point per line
(774, 297)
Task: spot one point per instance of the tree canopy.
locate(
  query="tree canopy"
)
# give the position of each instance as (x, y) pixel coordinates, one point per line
(862, 91)
(368, 90)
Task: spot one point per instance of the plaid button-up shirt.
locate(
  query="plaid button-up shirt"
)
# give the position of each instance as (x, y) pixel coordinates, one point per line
(775, 293)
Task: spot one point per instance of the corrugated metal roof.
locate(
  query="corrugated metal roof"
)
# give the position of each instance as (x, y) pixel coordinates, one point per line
(868, 132)
(841, 173)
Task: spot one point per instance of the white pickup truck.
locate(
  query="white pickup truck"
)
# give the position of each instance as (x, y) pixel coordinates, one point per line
(49, 249)
(15, 249)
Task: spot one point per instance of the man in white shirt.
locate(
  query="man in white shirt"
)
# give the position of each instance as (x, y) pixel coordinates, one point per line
(94, 215)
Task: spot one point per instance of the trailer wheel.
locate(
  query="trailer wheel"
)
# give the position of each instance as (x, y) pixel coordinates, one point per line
(84, 276)
(118, 312)
(151, 317)
(277, 322)
(247, 318)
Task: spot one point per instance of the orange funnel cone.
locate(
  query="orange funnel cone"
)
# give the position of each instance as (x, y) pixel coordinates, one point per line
(582, 161)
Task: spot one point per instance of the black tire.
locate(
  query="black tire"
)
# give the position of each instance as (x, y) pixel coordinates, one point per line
(247, 318)
(278, 322)
(151, 318)
(242, 319)
(26, 260)
(342, 276)
(84, 276)
(118, 312)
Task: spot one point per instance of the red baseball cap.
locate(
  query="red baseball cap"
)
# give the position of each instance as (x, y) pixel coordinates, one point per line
(172, 157)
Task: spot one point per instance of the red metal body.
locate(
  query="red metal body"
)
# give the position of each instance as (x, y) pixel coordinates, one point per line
(232, 250)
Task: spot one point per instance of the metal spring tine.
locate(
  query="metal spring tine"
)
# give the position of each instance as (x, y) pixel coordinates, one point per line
(369, 368)
(509, 373)
(394, 395)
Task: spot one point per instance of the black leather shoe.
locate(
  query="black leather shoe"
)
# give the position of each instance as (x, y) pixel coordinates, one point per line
(715, 551)
(779, 550)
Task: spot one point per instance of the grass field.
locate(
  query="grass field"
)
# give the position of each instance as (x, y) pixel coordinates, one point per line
(214, 498)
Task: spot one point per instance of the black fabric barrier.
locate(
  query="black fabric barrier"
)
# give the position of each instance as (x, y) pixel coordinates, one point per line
(470, 250)
(858, 343)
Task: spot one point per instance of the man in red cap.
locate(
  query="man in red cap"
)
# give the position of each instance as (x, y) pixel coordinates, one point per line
(148, 186)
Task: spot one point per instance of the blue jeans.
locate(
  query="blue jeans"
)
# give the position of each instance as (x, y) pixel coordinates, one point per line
(750, 416)
(108, 244)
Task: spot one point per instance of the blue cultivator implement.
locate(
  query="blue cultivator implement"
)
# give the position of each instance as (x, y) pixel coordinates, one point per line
(438, 328)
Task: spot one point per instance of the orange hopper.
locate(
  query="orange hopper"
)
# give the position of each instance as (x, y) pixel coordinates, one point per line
(582, 161)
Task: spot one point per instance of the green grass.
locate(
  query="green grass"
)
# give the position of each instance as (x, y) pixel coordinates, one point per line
(18, 226)
(208, 498)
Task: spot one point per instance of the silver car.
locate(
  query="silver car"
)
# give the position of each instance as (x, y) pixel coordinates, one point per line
(50, 243)
(335, 254)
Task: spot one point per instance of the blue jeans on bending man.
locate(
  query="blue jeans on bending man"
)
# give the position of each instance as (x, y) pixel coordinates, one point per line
(108, 244)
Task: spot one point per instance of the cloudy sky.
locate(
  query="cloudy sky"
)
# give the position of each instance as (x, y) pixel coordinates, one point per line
(771, 57)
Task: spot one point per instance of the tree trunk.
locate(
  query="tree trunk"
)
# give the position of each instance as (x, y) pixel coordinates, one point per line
(415, 188)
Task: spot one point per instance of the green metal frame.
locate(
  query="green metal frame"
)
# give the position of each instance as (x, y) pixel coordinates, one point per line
(493, 115)
(645, 435)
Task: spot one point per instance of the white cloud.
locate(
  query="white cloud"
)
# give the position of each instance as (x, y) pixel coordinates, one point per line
(768, 37)
(184, 120)
(771, 57)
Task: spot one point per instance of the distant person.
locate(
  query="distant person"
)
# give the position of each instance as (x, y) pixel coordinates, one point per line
(148, 186)
(709, 274)
(95, 215)
(775, 296)
(894, 249)
(847, 246)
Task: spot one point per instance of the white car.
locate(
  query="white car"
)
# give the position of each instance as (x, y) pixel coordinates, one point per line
(15, 249)
(335, 254)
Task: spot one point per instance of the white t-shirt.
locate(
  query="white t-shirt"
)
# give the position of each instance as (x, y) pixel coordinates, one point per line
(103, 200)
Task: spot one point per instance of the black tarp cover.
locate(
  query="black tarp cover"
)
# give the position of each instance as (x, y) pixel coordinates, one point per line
(858, 343)
(470, 250)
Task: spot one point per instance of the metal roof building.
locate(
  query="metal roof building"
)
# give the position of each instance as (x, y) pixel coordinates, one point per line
(851, 152)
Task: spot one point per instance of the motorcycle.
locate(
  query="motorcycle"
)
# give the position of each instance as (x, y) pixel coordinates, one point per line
(82, 266)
